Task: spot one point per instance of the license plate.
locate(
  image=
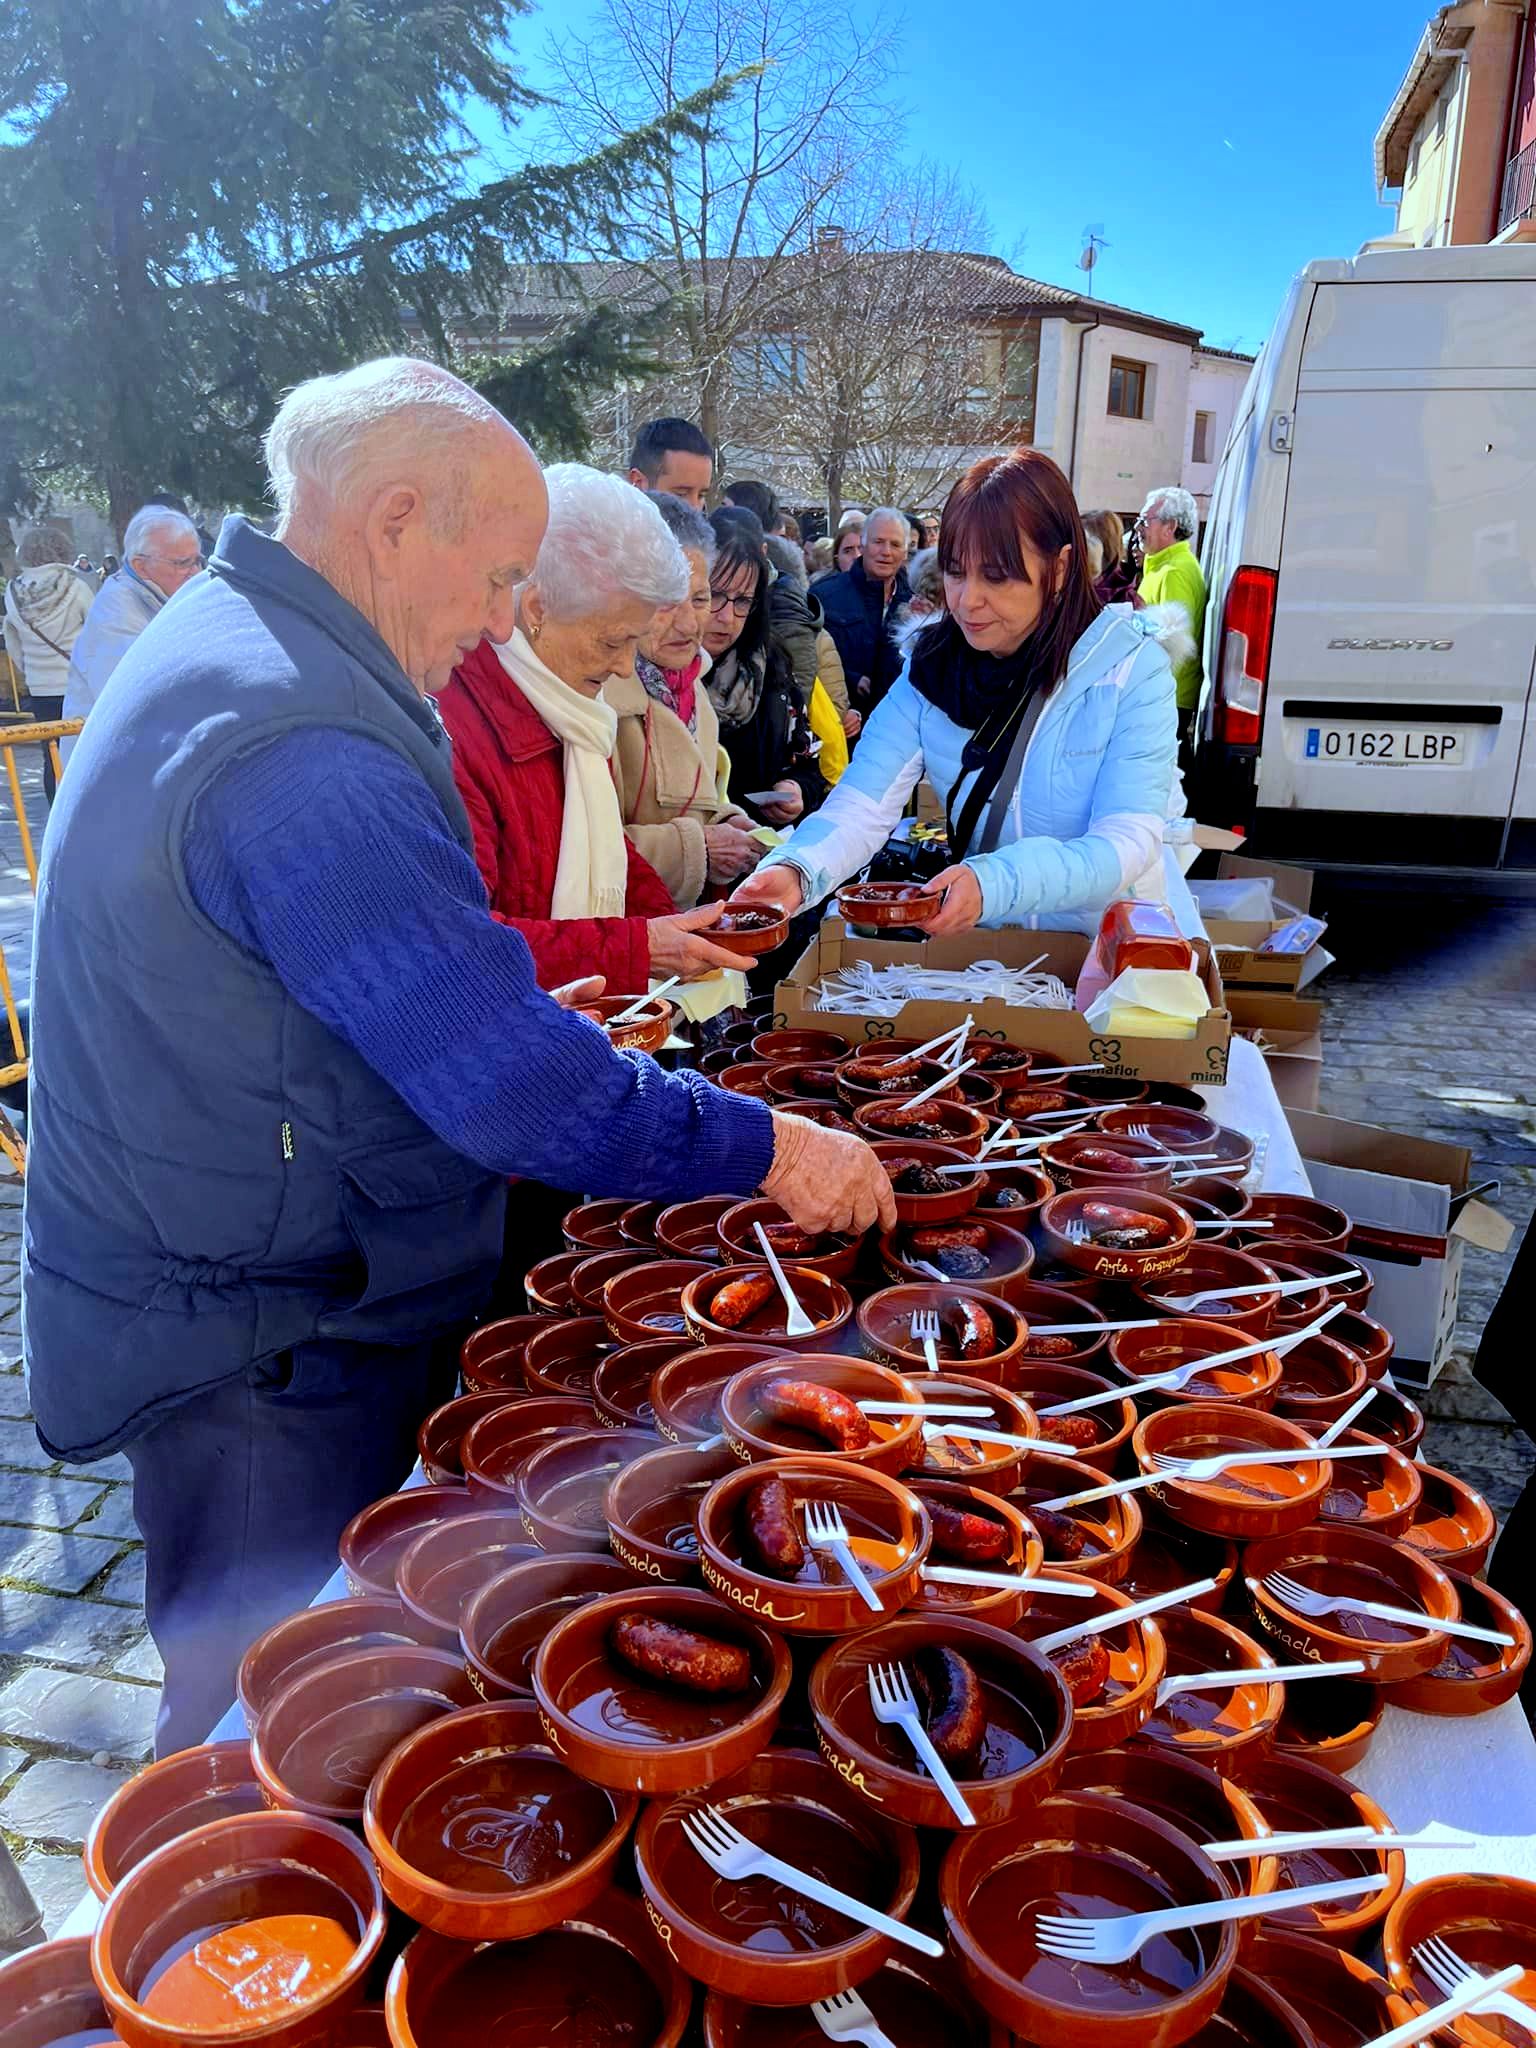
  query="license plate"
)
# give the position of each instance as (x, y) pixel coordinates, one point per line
(1390, 746)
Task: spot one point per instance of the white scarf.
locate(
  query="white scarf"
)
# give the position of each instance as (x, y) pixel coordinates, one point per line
(593, 868)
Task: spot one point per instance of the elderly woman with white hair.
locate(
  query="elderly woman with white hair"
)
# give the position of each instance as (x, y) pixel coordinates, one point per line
(533, 741)
(1170, 574)
(46, 604)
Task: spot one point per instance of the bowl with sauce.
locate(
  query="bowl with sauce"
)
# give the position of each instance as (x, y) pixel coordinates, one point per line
(593, 1274)
(1205, 1267)
(1114, 1234)
(601, 1978)
(646, 1031)
(1224, 1727)
(1300, 1219)
(446, 1564)
(1472, 1677)
(1380, 1493)
(688, 1229)
(1254, 2015)
(621, 1382)
(647, 1301)
(978, 1332)
(1082, 1853)
(1346, 1563)
(1249, 1500)
(1095, 1538)
(749, 931)
(491, 1356)
(1319, 1379)
(759, 1941)
(748, 1077)
(685, 1392)
(1330, 1721)
(373, 1542)
(315, 1635)
(994, 1467)
(923, 1195)
(791, 1043)
(1040, 1302)
(441, 1436)
(1371, 1341)
(736, 1304)
(562, 1359)
(810, 1405)
(941, 1120)
(1342, 1999)
(892, 1077)
(978, 1249)
(1102, 1434)
(1490, 1922)
(886, 906)
(563, 1485)
(482, 1832)
(1392, 1419)
(1170, 1555)
(48, 1999)
(1338, 1277)
(917, 2001)
(1004, 1064)
(1014, 1192)
(1113, 1676)
(1176, 1130)
(547, 1286)
(1015, 1697)
(652, 1510)
(499, 1445)
(1294, 1797)
(1188, 1795)
(1246, 1382)
(833, 1252)
(160, 1803)
(1097, 1159)
(1451, 1522)
(506, 1621)
(1019, 1552)
(710, 1703)
(595, 1226)
(755, 1556)
(260, 1927)
(791, 1081)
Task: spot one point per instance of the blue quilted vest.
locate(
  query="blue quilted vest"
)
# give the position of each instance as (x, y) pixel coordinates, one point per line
(214, 1176)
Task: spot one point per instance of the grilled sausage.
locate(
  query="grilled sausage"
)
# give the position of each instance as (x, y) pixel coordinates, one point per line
(1084, 1664)
(1063, 1539)
(1049, 1347)
(951, 1701)
(822, 1411)
(970, 1326)
(972, 1538)
(768, 1515)
(1035, 1101)
(739, 1298)
(946, 1237)
(790, 1241)
(1124, 1229)
(1076, 1430)
(680, 1656)
(1105, 1159)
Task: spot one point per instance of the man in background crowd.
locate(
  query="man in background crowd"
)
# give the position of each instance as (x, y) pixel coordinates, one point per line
(794, 614)
(160, 554)
(673, 455)
(1170, 574)
(861, 606)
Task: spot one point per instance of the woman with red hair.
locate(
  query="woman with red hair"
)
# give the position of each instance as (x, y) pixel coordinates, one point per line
(1042, 718)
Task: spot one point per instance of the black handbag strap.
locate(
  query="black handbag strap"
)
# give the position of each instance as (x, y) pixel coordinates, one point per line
(1007, 782)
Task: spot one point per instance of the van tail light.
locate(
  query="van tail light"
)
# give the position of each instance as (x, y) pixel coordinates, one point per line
(1247, 631)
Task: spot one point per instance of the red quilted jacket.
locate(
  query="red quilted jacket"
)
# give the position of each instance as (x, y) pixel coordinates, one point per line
(508, 766)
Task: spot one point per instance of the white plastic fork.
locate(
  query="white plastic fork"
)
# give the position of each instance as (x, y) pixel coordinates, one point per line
(1434, 1836)
(1054, 1073)
(1263, 1674)
(997, 1436)
(895, 1706)
(640, 1002)
(796, 1322)
(1351, 1414)
(1192, 1301)
(825, 1529)
(925, 1331)
(1116, 1617)
(1227, 1223)
(946, 1408)
(1425, 2026)
(920, 1052)
(843, 2016)
(730, 1854)
(1180, 1375)
(1291, 1593)
(1009, 1582)
(1199, 1470)
(949, 1074)
(1118, 1938)
(1451, 1973)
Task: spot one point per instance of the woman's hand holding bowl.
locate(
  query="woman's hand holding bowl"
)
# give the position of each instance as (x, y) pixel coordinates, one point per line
(778, 887)
(961, 908)
(678, 944)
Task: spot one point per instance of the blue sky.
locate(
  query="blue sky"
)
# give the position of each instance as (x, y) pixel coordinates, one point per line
(1220, 146)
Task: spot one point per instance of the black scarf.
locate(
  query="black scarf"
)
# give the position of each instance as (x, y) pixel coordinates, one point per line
(985, 694)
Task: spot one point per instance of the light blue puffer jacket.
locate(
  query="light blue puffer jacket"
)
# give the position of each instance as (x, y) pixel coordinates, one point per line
(1085, 819)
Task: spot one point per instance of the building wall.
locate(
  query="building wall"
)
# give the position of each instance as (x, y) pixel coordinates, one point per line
(1215, 386)
(1120, 460)
(1424, 210)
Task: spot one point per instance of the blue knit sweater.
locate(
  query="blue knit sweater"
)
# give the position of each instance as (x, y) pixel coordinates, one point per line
(324, 854)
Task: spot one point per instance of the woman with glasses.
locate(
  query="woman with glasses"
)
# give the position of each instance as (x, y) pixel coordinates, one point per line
(666, 760)
(750, 682)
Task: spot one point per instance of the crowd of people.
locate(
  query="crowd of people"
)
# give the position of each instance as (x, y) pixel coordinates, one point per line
(369, 810)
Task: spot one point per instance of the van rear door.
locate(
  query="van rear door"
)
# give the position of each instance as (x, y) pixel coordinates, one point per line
(1405, 636)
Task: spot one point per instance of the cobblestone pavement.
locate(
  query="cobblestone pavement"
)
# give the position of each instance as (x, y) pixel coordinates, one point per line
(1426, 1031)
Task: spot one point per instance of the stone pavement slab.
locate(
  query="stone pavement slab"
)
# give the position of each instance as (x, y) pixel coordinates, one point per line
(56, 1800)
(100, 1714)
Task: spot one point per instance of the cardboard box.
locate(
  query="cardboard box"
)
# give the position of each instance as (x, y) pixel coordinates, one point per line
(1414, 1213)
(1238, 940)
(1289, 1032)
(1200, 1061)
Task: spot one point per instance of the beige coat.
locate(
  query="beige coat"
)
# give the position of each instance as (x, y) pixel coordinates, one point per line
(671, 784)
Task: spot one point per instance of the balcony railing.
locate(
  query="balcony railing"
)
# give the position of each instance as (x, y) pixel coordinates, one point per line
(1519, 198)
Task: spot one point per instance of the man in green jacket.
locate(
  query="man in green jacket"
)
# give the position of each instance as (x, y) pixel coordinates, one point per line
(1170, 574)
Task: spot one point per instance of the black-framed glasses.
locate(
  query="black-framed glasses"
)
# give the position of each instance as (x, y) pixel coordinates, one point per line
(722, 600)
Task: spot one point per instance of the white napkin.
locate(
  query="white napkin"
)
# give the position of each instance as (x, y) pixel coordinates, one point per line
(1150, 1002)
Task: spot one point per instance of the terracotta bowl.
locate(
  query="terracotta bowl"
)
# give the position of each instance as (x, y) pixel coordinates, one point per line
(1107, 1529)
(750, 931)
(754, 1434)
(315, 1635)
(171, 1952)
(547, 1285)
(1080, 1160)
(1451, 1523)
(1489, 1921)
(1252, 1500)
(604, 1971)
(594, 1226)
(1187, 1795)
(1299, 1219)
(805, 1080)
(760, 1942)
(1004, 1064)
(944, 1121)
(1105, 1091)
(593, 1275)
(481, 1832)
(1170, 1555)
(827, 1302)
(1177, 1095)
(637, 1226)
(48, 1999)
(1228, 1197)
(1218, 1229)
(1028, 1718)
(1472, 1677)
(318, 1744)
(1101, 1434)
(723, 1056)
(687, 1229)
(1014, 1193)
(1111, 1703)
(885, 1328)
(958, 1194)
(887, 1524)
(979, 1093)
(439, 1438)
(161, 1803)
(652, 1510)
(834, 1253)
(886, 906)
(685, 1392)
(1040, 1304)
(1176, 1130)
(375, 1539)
(1041, 1107)
(1319, 1380)
(617, 1727)
(648, 1300)
(1343, 2000)
(499, 1445)
(621, 1384)
(1293, 1796)
(1022, 1554)
(995, 1468)
(492, 1355)
(446, 1564)
(563, 1485)
(1372, 1493)
(1234, 1152)
(506, 1621)
(975, 1250)
(832, 1116)
(1369, 1340)
(1224, 1729)
(1392, 1419)
(1083, 1853)
(1217, 1265)
(869, 1077)
(1246, 1382)
(1324, 1264)
(920, 2002)
(799, 1044)
(748, 1077)
(1330, 1721)
(562, 1359)
(647, 1031)
(1063, 1213)
(1254, 2015)
(1332, 1558)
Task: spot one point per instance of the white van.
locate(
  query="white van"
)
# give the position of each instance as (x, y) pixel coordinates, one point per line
(1371, 556)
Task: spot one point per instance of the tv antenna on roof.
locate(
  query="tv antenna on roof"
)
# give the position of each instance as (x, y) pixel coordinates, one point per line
(1093, 243)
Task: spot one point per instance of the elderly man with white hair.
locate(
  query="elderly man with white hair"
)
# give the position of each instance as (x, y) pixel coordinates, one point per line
(160, 554)
(284, 1056)
(861, 607)
(1170, 574)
